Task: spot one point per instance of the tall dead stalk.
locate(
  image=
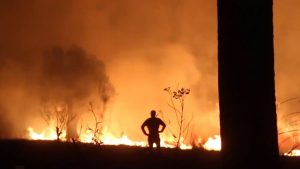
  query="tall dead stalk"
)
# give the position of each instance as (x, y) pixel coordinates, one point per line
(97, 130)
(177, 100)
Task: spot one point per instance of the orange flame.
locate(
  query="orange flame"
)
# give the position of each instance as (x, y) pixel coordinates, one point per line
(107, 138)
(213, 143)
(45, 134)
(295, 152)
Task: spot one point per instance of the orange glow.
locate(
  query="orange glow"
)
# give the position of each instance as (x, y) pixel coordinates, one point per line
(139, 49)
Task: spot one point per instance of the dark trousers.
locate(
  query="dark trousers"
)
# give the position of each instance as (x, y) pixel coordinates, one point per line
(152, 140)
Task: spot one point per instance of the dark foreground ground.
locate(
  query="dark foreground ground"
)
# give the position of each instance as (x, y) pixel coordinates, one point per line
(19, 154)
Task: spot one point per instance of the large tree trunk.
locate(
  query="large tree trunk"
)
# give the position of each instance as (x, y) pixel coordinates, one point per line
(246, 84)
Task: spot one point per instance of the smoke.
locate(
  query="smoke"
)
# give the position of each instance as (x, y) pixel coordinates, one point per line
(5, 124)
(56, 76)
(286, 37)
(286, 26)
(145, 47)
(72, 75)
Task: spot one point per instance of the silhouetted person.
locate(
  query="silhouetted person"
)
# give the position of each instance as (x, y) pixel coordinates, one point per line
(153, 123)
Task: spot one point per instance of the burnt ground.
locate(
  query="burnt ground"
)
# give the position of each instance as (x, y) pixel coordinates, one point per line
(65, 155)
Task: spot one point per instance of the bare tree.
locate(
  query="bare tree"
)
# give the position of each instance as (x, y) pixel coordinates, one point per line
(97, 129)
(59, 116)
(177, 100)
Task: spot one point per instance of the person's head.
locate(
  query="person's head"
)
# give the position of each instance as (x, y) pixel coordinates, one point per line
(153, 113)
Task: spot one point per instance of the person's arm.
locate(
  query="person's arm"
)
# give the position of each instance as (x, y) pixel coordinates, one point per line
(163, 126)
(143, 128)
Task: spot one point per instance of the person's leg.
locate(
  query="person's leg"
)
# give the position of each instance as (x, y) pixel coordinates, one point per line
(158, 143)
(150, 143)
